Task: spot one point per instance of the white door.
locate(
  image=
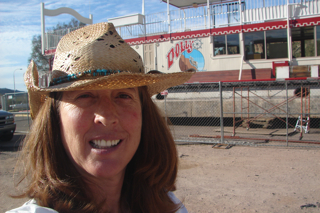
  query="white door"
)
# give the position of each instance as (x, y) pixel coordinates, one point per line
(148, 51)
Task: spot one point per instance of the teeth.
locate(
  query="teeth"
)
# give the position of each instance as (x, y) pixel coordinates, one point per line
(100, 144)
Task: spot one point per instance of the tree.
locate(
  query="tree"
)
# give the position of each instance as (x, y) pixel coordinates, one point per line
(72, 24)
(36, 54)
(41, 61)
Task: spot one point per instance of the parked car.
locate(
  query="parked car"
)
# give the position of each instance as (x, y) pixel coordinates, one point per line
(7, 125)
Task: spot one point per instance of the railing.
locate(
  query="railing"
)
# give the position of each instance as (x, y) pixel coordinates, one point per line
(52, 38)
(221, 15)
(225, 15)
(190, 19)
(156, 23)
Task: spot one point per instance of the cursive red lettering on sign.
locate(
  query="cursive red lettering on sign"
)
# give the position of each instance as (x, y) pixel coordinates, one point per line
(177, 50)
(182, 47)
(170, 57)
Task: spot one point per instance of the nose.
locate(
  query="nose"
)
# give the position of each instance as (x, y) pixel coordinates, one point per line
(106, 113)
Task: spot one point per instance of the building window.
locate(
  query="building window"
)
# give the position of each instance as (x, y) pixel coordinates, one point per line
(254, 45)
(318, 40)
(266, 44)
(233, 44)
(277, 44)
(303, 42)
(219, 45)
(226, 44)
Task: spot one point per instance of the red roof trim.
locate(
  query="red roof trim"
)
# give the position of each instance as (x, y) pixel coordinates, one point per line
(264, 26)
(50, 52)
(305, 22)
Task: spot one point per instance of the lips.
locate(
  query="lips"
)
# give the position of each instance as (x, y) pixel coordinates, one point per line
(103, 144)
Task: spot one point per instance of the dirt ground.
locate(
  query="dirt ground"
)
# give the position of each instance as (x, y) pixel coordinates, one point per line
(239, 179)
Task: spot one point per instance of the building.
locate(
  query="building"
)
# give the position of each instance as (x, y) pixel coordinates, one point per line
(229, 40)
(225, 40)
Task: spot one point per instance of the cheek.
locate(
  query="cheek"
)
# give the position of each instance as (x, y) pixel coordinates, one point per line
(132, 119)
(137, 116)
(72, 122)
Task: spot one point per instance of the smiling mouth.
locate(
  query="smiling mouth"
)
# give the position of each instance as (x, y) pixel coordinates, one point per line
(103, 144)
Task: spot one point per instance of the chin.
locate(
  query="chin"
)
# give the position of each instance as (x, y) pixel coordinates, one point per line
(106, 171)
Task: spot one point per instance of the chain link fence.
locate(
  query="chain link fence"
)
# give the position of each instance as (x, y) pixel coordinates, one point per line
(17, 104)
(257, 113)
(277, 113)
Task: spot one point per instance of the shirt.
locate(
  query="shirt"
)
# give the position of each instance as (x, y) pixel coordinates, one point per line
(32, 207)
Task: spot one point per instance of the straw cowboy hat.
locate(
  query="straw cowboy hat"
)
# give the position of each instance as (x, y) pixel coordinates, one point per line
(95, 57)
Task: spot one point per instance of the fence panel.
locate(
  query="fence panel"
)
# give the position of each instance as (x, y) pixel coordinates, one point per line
(192, 112)
(279, 113)
(17, 104)
(276, 113)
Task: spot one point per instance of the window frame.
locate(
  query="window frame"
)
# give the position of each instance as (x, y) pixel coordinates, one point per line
(226, 45)
(264, 45)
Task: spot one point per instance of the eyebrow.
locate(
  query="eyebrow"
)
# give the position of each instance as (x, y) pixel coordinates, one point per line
(130, 89)
(133, 89)
(77, 91)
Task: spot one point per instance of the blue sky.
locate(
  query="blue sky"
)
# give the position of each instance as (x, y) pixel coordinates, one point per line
(20, 21)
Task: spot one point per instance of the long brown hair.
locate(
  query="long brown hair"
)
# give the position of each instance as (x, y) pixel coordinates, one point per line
(53, 181)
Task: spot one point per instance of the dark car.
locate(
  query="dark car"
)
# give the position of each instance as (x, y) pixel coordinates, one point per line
(7, 126)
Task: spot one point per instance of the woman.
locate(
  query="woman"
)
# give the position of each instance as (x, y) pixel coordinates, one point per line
(98, 143)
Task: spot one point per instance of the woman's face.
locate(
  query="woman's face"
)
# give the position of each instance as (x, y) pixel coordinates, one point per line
(101, 130)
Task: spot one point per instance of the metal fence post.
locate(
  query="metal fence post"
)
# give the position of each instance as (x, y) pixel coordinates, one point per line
(221, 112)
(28, 111)
(165, 109)
(5, 103)
(287, 126)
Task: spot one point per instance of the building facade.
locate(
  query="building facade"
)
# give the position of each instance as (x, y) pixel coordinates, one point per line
(230, 40)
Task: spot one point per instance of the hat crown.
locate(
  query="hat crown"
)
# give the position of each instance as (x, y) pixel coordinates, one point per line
(95, 47)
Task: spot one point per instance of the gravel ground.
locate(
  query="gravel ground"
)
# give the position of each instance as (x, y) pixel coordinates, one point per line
(239, 179)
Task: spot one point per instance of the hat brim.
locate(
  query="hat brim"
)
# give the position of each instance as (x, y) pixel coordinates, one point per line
(155, 83)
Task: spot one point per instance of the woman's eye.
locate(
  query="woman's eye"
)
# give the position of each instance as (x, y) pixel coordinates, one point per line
(124, 96)
(84, 96)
